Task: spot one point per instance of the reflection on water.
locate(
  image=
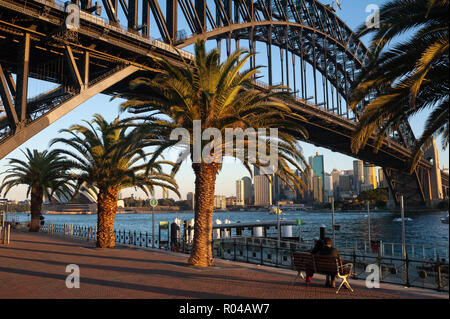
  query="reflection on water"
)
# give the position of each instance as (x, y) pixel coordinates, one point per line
(420, 228)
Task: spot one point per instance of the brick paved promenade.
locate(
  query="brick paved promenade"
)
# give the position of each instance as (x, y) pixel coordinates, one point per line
(33, 266)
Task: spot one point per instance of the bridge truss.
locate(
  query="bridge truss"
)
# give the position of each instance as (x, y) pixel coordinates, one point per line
(317, 55)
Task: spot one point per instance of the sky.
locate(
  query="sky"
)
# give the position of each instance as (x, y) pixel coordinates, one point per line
(353, 13)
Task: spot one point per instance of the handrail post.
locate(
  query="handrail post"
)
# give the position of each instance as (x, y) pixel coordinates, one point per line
(407, 269)
(438, 277)
(261, 250)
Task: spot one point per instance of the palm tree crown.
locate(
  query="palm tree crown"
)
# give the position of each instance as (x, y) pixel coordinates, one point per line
(106, 159)
(218, 96)
(408, 78)
(46, 175)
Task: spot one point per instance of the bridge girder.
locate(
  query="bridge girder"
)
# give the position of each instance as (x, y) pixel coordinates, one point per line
(307, 29)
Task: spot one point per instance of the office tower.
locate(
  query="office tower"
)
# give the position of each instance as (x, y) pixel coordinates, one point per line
(276, 188)
(358, 173)
(190, 199)
(240, 193)
(327, 186)
(263, 190)
(370, 176)
(317, 164)
(345, 183)
(318, 189)
(247, 190)
(335, 174)
(220, 201)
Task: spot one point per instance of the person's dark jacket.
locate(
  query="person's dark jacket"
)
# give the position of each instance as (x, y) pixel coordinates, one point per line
(317, 247)
(329, 251)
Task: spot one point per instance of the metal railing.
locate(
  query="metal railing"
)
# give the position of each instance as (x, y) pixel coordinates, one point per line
(131, 238)
(410, 271)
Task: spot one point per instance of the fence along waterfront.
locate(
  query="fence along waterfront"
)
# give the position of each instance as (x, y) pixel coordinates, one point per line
(412, 271)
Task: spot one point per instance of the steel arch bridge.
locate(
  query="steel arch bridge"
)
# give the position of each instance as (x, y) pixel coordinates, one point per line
(320, 58)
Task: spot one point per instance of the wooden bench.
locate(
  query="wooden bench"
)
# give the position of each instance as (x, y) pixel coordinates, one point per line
(325, 265)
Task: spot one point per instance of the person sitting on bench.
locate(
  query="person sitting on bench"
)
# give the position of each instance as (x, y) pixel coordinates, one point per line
(328, 250)
(317, 247)
(323, 249)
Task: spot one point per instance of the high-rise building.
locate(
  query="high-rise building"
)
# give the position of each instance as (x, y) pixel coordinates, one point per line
(382, 181)
(263, 190)
(247, 190)
(276, 188)
(318, 189)
(240, 193)
(335, 174)
(358, 173)
(327, 186)
(370, 175)
(317, 164)
(220, 201)
(346, 183)
(190, 198)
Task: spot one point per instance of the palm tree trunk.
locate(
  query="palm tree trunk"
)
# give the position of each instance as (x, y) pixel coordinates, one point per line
(106, 211)
(36, 207)
(205, 181)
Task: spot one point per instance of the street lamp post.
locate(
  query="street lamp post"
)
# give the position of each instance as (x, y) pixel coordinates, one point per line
(332, 220)
(368, 220)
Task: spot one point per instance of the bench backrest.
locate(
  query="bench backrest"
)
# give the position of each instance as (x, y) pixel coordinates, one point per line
(302, 261)
(326, 264)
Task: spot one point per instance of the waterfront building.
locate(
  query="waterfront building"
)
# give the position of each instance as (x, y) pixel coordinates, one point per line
(370, 175)
(358, 174)
(317, 164)
(318, 189)
(230, 201)
(247, 190)
(345, 183)
(335, 174)
(366, 187)
(220, 202)
(240, 191)
(327, 186)
(190, 199)
(263, 190)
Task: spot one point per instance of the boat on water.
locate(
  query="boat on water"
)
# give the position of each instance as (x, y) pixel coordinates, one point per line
(275, 211)
(444, 219)
(407, 219)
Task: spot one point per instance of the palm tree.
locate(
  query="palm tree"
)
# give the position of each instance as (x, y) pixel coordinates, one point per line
(221, 96)
(46, 175)
(408, 78)
(106, 159)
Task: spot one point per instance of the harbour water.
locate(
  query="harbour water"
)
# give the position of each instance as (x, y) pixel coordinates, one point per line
(420, 228)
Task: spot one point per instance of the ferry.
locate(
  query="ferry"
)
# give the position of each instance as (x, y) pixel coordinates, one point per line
(444, 219)
(275, 211)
